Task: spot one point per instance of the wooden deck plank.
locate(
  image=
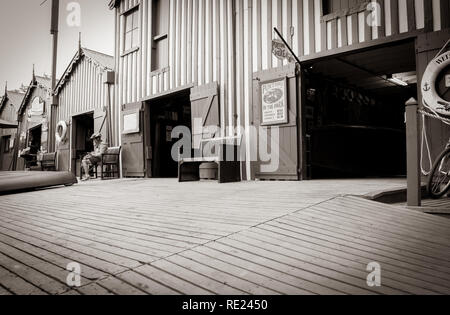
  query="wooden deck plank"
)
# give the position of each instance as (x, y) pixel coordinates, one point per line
(349, 272)
(411, 284)
(341, 256)
(220, 254)
(240, 283)
(329, 218)
(119, 287)
(403, 221)
(47, 256)
(4, 292)
(342, 283)
(17, 285)
(141, 253)
(246, 238)
(71, 254)
(173, 282)
(93, 289)
(349, 252)
(145, 284)
(196, 278)
(249, 275)
(360, 245)
(104, 252)
(13, 259)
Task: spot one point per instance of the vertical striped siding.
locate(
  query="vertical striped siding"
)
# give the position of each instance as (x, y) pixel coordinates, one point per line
(84, 92)
(227, 40)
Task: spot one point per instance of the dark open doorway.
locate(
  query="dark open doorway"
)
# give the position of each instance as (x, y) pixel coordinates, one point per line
(82, 130)
(355, 106)
(166, 114)
(35, 139)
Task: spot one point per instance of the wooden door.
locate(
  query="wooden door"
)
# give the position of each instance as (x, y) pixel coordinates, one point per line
(289, 149)
(133, 155)
(204, 108)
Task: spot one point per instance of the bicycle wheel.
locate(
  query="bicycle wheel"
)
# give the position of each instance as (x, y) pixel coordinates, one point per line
(439, 181)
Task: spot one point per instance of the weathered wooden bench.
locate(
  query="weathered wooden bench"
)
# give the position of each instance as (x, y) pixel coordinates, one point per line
(226, 158)
(48, 161)
(109, 165)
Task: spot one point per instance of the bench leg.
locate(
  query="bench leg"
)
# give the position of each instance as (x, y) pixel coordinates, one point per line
(229, 172)
(188, 172)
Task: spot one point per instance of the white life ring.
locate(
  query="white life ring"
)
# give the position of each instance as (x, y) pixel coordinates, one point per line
(61, 132)
(429, 93)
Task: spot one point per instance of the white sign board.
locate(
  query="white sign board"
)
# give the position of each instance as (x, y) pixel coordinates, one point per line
(131, 123)
(274, 103)
(37, 107)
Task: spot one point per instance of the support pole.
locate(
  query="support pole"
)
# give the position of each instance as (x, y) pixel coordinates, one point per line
(413, 154)
(54, 32)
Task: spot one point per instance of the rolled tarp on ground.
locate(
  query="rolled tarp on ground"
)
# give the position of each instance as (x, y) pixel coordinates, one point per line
(11, 182)
(7, 124)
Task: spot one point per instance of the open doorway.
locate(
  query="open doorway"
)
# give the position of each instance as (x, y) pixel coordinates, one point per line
(165, 114)
(82, 130)
(355, 106)
(35, 139)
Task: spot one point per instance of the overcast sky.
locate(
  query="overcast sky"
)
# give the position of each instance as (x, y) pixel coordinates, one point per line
(25, 37)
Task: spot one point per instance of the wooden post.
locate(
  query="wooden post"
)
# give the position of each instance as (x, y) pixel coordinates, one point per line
(54, 32)
(413, 154)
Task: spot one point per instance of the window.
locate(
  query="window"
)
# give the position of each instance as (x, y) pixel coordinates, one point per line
(160, 56)
(6, 144)
(332, 6)
(131, 38)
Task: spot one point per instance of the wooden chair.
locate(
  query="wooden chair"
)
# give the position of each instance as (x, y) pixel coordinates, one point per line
(110, 164)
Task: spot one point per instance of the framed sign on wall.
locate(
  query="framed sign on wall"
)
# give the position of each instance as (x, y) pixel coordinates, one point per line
(131, 123)
(274, 102)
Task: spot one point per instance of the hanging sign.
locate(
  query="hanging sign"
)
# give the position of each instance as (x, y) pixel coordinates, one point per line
(430, 96)
(280, 51)
(274, 102)
(447, 81)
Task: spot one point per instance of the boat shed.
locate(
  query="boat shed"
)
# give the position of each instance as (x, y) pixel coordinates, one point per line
(9, 108)
(86, 95)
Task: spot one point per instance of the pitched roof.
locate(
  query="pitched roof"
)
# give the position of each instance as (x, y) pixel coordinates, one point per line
(44, 82)
(15, 97)
(103, 61)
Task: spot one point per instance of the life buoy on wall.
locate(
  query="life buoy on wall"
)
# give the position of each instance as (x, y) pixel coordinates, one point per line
(61, 132)
(429, 93)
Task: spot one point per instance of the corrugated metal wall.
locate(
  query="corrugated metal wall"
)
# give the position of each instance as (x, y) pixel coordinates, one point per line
(228, 40)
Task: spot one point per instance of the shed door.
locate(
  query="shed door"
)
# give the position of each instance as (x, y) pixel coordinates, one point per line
(206, 110)
(288, 140)
(133, 161)
(100, 125)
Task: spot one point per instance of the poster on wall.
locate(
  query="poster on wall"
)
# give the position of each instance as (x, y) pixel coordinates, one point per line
(274, 102)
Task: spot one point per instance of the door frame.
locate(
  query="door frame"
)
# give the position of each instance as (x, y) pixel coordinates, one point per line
(73, 127)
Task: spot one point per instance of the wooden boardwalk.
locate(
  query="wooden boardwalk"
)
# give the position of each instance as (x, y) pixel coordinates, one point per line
(268, 238)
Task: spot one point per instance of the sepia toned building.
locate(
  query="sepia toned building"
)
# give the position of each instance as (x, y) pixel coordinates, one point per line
(9, 108)
(34, 120)
(343, 101)
(85, 98)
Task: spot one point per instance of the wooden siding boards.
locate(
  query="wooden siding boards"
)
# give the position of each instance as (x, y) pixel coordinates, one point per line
(82, 90)
(213, 41)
